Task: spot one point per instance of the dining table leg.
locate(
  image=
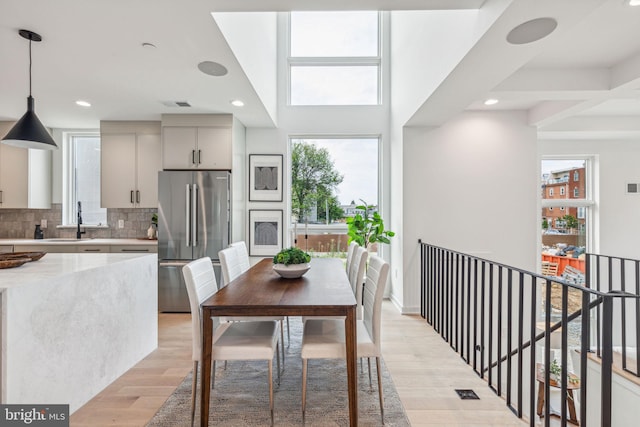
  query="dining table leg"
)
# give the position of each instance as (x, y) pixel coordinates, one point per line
(352, 358)
(205, 366)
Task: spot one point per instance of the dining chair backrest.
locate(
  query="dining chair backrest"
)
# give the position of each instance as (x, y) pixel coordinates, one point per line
(377, 274)
(350, 251)
(201, 284)
(356, 272)
(232, 263)
(242, 253)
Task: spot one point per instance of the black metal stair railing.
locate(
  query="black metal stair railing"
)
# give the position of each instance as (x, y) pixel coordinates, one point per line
(491, 314)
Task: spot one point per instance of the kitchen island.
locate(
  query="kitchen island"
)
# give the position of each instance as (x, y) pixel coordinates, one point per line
(70, 324)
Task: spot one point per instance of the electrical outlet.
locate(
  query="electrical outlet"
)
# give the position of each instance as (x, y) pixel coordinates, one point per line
(121, 223)
(43, 223)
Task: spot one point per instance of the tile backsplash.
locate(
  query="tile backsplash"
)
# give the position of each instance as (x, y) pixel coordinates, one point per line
(20, 223)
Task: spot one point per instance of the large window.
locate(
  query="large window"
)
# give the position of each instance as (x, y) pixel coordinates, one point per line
(329, 178)
(565, 229)
(334, 58)
(82, 179)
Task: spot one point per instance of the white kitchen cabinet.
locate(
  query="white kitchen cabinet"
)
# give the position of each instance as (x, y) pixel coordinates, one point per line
(130, 160)
(197, 147)
(25, 176)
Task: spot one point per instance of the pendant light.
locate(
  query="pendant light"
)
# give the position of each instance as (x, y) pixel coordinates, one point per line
(29, 132)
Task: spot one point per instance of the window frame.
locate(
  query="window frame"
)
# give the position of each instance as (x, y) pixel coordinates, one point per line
(346, 61)
(69, 201)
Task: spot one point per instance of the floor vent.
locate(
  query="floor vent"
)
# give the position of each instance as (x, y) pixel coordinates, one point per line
(466, 394)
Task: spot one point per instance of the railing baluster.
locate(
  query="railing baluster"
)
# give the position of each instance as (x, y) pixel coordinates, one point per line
(499, 349)
(564, 374)
(490, 328)
(607, 360)
(482, 316)
(547, 351)
(623, 316)
(509, 332)
(532, 362)
(520, 339)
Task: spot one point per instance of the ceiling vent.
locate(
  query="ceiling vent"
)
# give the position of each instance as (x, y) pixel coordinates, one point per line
(633, 188)
(176, 104)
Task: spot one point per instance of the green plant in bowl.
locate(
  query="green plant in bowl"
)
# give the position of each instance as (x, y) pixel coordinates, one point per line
(291, 256)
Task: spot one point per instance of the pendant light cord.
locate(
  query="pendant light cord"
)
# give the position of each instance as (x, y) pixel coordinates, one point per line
(30, 66)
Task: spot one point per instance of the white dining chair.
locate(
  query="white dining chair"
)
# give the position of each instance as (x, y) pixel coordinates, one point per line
(234, 262)
(357, 275)
(350, 251)
(231, 341)
(324, 338)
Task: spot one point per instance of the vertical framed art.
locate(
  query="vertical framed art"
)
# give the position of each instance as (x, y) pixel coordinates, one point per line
(265, 177)
(265, 232)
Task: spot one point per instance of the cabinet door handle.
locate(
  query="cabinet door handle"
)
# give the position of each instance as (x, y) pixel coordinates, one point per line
(137, 196)
(199, 151)
(91, 250)
(0, 196)
(131, 196)
(193, 156)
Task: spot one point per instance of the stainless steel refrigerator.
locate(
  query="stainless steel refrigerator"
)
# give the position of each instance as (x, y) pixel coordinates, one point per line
(193, 221)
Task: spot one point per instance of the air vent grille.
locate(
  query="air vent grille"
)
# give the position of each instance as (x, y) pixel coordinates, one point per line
(183, 104)
(633, 188)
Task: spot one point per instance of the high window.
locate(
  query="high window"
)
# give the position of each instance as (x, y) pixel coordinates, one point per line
(334, 58)
(82, 179)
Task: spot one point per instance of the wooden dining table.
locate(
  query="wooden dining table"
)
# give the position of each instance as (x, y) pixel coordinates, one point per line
(323, 291)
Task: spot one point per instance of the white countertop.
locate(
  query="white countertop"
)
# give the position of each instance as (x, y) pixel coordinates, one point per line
(71, 241)
(59, 264)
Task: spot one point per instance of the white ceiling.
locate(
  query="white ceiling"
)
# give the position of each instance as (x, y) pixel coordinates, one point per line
(588, 70)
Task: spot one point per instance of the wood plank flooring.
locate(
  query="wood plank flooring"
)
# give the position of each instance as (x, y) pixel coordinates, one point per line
(424, 369)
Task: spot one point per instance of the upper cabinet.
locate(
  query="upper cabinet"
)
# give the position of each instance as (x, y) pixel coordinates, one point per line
(25, 176)
(131, 156)
(197, 141)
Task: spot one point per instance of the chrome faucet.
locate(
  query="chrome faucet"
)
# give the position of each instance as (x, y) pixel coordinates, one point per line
(78, 232)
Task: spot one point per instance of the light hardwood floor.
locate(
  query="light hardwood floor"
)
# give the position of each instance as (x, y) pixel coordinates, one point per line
(424, 369)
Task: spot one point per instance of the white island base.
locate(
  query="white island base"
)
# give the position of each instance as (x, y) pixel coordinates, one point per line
(73, 323)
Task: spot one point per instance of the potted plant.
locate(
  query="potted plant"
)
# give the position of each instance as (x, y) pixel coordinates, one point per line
(291, 263)
(367, 227)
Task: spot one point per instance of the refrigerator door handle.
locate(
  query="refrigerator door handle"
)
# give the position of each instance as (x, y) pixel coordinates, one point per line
(194, 216)
(188, 213)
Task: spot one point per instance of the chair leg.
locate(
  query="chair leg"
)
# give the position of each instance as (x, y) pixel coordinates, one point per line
(380, 389)
(369, 367)
(288, 333)
(278, 361)
(282, 341)
(271, 389)
(193, 390)
(304, 385)
(213, 374)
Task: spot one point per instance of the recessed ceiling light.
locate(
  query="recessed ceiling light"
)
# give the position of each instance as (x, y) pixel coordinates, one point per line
(531, 31)
(634, 2)
(212, 68)
(491, 102)
(83, 103)
(237, 103)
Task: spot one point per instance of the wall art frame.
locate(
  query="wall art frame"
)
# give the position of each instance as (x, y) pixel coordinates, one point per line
(266, 232)
(265, 177)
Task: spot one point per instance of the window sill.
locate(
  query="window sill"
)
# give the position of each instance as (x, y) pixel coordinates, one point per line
(83, 226)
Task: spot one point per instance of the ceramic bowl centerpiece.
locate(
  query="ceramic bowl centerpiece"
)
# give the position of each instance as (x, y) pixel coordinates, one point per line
(291, 263)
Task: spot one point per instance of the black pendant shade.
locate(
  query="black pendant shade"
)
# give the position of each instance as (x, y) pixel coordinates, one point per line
(29, 132)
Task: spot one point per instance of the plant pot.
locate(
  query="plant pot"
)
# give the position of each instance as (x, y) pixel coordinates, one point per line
(291, 271)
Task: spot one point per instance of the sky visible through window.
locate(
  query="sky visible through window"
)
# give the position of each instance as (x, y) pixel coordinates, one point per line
(334, 58)
(357, 161)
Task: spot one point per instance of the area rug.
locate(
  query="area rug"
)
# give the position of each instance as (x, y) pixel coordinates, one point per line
(241, 394)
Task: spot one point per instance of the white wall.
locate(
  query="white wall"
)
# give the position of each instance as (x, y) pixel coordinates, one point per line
(252, 38)
(422, 53)
(616, 215)
(470, 186)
